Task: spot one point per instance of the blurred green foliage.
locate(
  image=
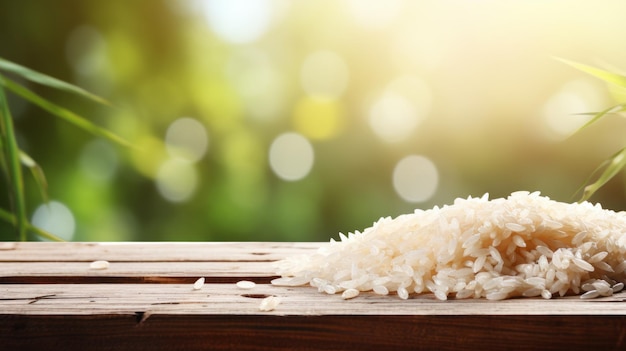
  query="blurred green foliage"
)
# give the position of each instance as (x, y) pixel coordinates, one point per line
(470, 87)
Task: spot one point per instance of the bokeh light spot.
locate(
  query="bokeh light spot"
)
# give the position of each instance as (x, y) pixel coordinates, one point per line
(259, 83)
(562, 112)
(393, 117)
(238, 21)
(373, 13)
(177, 180)
(318, 118)
(291, 156)
(324, 74)
(415, 178)
(186, 138)
(55, 218)
(99, 160)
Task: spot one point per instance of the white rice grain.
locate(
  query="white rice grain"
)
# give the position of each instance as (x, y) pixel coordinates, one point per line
(621, 267)
(198, 284)
(515, 227)
(544, 251)
(604, 266)
(380, 290)
(591, 294)
(519, 241)
(402, 293)
(329, 289)
(269, 303)
(99, 265)
(245, 284)
(532, 292)
(350, 294)
(597, 257)
(464, 294)
(602, 287)
(440, 295)
(583, 264)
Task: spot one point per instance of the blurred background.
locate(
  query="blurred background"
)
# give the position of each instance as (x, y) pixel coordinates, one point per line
(281, 120)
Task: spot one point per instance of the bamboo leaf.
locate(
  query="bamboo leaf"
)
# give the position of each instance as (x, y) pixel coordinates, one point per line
(3, 162)
(598, 115)
(612, 166)
(46, 80)
(9, 217)
(37, 172)
(14, 168)
(61, 112)
(606, 76)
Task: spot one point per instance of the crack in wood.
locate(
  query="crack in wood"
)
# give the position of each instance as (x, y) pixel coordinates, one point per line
(59, 279)
(141, 316)
(31, 299)
(256, 296)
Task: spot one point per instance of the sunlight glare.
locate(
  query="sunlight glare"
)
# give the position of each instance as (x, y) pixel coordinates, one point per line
(238, 21)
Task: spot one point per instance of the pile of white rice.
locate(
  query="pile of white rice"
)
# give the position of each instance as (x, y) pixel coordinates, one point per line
(524, 245)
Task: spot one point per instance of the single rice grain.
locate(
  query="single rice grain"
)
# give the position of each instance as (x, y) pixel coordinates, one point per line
(245, 284)
(198, 284)
(99, 265)
(269, 303)
(349, 294)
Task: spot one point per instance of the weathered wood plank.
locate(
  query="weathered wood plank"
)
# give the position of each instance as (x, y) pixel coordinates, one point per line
(149, 252)
(128, 272)
(71, 299)
(329, 332)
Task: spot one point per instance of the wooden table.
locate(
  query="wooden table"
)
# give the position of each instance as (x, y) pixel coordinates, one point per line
(50, 299)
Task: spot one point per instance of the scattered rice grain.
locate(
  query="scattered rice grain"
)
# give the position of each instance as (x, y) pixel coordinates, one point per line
(198, 284)
(403, 293)
(329, 289)
(269, 303)
(245, 284)
(591, 294)
(349, 294)
(464, 294)
(380, 290)
(99, 265)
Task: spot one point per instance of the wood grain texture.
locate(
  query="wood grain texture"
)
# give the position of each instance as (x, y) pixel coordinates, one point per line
(50, 299)
(328, 332)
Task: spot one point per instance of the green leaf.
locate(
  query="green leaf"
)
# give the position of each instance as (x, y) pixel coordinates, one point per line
(598, 115)
(37, 172)
(61, 112)
(46, 80)
(9, 217)
(13, 166)
(612, 166)
(606, 76)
